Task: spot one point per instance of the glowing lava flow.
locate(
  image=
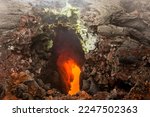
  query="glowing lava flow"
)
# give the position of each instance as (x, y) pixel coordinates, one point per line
(70, 74)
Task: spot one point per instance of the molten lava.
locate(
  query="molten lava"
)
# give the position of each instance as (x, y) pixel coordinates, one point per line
(68, 59)
(70, 74)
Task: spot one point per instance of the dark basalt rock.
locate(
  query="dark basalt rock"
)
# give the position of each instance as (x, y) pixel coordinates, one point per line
(2, 91)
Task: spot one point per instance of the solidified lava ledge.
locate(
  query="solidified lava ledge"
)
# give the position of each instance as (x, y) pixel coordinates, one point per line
(75, 53)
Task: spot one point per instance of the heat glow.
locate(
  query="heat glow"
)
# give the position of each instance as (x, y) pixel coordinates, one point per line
(70, 74)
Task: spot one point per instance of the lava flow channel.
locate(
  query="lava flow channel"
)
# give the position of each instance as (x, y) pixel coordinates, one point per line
(70, 74)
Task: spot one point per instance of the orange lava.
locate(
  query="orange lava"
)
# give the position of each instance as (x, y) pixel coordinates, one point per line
(70, 74)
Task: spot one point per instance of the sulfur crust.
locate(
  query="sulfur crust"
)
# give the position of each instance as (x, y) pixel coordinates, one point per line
(70, 17)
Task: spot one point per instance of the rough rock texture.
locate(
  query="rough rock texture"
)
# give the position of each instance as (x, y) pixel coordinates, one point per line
(10, 12)
(117, 69)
